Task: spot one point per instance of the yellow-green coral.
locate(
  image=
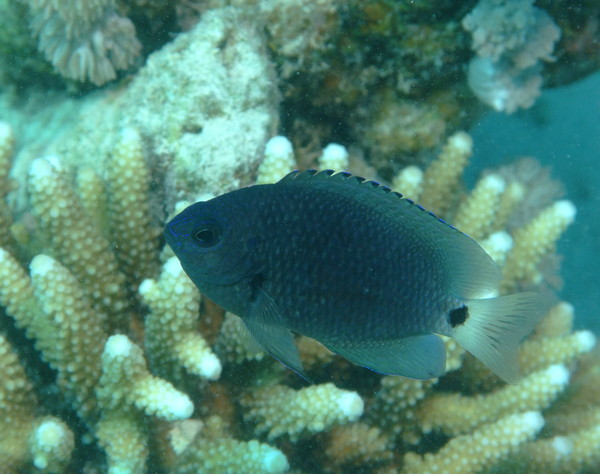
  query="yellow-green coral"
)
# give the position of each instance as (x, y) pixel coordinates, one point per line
(456, 414)
(128, 190)
(171, 332)
(479, 450)
(277, 162)
(281, 410)
(334, 157)
(132, 413)
(535, 241)
(17, 407)
(126, 382)
(45, 442)
(16, 292)
(7, 144)
(478, 211)
(230, 455)
(442, 176)
(68, 332)
(123, 436)
(92, 193)
(77, 242)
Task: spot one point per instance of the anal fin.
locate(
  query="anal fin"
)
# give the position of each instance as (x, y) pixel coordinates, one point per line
(415, 357)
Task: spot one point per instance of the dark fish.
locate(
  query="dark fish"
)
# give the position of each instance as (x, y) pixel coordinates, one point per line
(372, 276)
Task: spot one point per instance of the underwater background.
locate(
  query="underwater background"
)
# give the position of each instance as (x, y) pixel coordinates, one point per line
(116, 114)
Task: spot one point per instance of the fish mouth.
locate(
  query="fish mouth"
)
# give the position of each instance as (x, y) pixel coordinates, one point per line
(171, 237)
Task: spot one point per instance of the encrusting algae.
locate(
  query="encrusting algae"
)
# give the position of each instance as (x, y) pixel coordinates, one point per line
(136, 384)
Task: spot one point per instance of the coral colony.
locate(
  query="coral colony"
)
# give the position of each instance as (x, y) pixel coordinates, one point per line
(111, 360)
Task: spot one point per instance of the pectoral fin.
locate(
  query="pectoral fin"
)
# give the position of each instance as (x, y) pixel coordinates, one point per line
(416, 357)
(266, 324)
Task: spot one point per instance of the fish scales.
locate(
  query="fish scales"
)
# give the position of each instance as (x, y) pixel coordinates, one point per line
(369, 274)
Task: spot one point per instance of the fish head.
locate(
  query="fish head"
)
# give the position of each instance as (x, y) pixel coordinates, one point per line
(211, 243)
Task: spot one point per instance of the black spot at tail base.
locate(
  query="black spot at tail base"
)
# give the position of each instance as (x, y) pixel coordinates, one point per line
(458, 316)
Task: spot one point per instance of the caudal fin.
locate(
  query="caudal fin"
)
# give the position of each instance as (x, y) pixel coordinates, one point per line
(495, 327)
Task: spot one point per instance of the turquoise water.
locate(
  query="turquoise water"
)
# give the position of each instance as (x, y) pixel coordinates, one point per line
(562, 131)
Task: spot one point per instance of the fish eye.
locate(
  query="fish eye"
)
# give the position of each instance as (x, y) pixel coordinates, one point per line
(208, 235)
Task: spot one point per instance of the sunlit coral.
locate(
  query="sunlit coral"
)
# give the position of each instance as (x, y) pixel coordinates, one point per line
(131, 339)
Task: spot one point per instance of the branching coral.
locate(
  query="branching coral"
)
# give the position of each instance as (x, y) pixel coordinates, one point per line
(78, 244)
(46, 442)
(170, 329)
(281, 410)
(481, 449)
(146, 385)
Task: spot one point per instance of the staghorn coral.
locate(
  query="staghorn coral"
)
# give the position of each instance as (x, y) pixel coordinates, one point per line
(277, 162)
(535, 241)
(472, 453)
(76, 242)
(229, 455)
(440, 179)
(455, 414)
(258, 415)
(126, 382)
(46, 442)
(281, 410)
(334, 157)
(133, 234)
(170, 329)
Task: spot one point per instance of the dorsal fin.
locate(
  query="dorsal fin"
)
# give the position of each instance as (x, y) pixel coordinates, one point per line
(471, 272)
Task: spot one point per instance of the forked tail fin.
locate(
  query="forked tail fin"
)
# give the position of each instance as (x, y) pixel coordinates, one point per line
(495, 327)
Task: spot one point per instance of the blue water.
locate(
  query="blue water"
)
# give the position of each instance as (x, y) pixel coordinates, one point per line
(562, 130)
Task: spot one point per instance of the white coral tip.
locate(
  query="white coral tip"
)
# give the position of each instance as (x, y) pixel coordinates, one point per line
(351, 405)
(211, 367)
(461, 142)
(275, 461)
(562, 445)
(147, 287)
(41, 167)
(41, 265)
(501, 240)
(587, 340)
(566, 209)
(6, 132)
(558, 374)
(130, 135)
(49, 436)
(118, 345)
(412, 174)
(173, 267)
(495, 182)
(181, 407)
(533, 420)
(279, 146)
(335, 151)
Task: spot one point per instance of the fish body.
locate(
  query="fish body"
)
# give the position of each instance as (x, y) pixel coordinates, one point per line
(372, 276)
